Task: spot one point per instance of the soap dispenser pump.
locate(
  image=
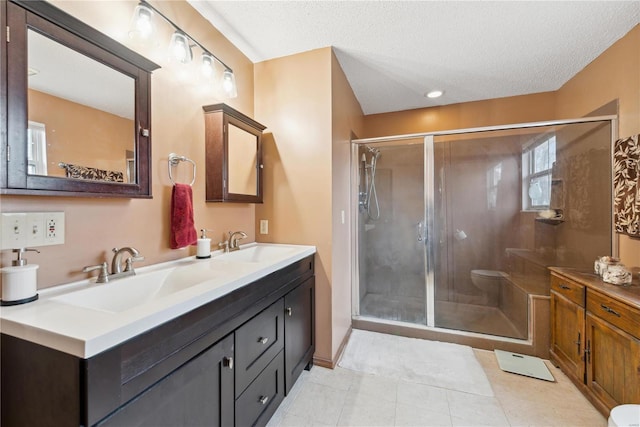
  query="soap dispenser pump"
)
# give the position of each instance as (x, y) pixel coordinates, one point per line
(203, 250)
(20, 281)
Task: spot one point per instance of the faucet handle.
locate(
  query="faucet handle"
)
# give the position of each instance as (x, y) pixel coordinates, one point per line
(129, 262)
(103, 277)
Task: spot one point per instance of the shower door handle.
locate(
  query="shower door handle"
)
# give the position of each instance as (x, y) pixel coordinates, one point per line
(420, 231)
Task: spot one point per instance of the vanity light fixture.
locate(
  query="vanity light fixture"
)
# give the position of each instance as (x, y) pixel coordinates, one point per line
(207, 64)
(142, 22)
(229, 84)
(180, 45)
(179, 48)
(434, 94)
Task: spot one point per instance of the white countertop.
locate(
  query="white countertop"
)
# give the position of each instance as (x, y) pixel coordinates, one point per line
(55, 321)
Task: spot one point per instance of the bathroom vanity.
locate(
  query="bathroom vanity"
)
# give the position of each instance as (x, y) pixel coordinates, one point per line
(230, 351)
(595, 336)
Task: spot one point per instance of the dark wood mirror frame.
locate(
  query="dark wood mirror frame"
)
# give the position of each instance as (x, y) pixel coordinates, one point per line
(41, 16)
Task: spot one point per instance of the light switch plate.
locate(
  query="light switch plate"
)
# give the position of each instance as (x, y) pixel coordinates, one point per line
(264, 226)
(31, 229)
(14, 227)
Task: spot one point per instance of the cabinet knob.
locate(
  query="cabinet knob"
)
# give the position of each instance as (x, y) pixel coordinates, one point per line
(227, 362)
(289, 311)
(564, 287)
(263, 340)
(263, 400)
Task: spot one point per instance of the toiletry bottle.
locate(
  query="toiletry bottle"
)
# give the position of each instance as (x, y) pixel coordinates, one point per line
(20, 281)
(203, 250)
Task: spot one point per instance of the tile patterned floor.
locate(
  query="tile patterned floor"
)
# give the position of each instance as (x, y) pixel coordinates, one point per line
(340, 397)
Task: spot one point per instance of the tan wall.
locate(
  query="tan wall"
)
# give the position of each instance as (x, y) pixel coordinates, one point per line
(94, 138)
(293, 99)
(613, 75)
(500, 111)
(94, 226)
(346, 119)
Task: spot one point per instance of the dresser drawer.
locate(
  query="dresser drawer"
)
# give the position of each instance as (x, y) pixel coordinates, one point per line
(257, 343)
(569, 289)
(261, 399)
(619, 314)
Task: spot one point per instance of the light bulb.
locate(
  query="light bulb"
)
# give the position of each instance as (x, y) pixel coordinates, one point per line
(229, 84)
(207, 64)
(179, 48)
(142, 22)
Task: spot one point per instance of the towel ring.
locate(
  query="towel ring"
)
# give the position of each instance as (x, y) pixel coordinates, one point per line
(174, 160)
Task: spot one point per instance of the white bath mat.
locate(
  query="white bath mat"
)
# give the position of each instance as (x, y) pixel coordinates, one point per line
(433, 363)
(522, 364)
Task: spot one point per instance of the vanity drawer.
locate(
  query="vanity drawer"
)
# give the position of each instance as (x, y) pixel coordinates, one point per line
(261, 399)
(569, 289)
(619, 314)
(257, 343)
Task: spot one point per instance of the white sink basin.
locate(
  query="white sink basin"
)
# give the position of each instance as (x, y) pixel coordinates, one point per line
(123, 294)
(258, 254)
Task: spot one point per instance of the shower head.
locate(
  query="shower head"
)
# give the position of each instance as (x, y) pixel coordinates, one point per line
(374, 151)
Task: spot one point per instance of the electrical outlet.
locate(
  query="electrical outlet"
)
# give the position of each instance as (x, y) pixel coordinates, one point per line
(264, 226)
(34, 231)
(53, 228)
(14, 226)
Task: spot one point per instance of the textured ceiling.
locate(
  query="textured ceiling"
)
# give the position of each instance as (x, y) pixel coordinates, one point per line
(392, 52)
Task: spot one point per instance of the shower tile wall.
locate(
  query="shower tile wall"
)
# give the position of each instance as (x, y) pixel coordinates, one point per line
(393, 257)
(463, 205)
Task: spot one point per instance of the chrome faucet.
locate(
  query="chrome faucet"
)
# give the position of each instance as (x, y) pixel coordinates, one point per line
(116, 262)
(234, 238)
(116, 265)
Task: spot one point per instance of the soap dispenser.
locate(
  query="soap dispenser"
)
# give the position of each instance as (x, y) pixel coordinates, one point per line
(20, 281)
(203, 250)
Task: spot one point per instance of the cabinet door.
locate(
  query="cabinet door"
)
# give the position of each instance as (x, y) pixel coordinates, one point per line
(613, 363)
(567, 335)
(198, 393)
(299, 331)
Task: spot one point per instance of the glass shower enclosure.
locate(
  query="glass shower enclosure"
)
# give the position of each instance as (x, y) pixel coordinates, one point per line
(455, 230)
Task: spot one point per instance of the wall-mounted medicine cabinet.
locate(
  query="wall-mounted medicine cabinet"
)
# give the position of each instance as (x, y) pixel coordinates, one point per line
(233, 145)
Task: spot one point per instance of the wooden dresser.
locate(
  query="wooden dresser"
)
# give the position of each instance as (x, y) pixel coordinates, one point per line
(595, 336)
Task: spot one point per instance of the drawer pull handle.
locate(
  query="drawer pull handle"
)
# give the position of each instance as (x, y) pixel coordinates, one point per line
(564, 287)
(227, 362)
(263, 400)
(263, 340)
(289, 311)
(609, 310)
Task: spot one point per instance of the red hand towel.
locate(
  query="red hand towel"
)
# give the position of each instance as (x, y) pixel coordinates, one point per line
(183, 231)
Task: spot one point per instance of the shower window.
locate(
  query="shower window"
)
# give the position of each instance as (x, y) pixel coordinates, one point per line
(537, 164)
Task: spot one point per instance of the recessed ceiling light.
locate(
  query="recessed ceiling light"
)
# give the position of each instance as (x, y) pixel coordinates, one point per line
(434, 94)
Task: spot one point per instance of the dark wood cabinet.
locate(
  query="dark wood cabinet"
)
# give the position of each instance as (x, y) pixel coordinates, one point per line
(233, 155)
(259, 401)
(222, 363)
(595, 337)
(299, 331)
(257, 342)
(198, 393)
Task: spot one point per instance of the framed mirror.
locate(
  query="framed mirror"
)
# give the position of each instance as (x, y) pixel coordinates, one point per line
(78, 108)
(233, 146)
